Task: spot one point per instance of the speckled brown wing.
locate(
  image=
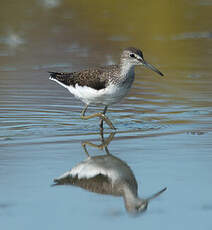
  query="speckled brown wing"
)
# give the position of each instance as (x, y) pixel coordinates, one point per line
(98, 184)
(93, 78)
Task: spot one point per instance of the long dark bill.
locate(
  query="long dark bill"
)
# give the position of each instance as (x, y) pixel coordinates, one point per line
(156, 194)
(151, 67)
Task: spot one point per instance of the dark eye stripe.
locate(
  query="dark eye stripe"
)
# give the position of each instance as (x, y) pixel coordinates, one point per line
(132, 55)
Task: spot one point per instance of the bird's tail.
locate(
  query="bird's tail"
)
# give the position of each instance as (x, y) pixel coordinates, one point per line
(60, 78)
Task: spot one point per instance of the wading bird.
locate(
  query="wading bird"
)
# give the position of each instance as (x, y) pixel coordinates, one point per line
(103, 85)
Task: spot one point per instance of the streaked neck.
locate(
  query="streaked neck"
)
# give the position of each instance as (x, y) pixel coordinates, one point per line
(126, 68)
(130, 197)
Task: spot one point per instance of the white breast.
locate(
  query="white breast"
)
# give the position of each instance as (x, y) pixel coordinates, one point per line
(107, 166)
(110, 95)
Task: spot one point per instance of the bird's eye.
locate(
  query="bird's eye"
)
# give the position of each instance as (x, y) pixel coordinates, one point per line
(137, 208)
(132, 55)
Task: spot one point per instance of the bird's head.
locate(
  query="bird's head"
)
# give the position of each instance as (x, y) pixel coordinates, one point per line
(137, 205)
(133, 56)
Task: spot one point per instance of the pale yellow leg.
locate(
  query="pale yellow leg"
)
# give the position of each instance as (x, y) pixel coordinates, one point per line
(102, 116)
(104, 144)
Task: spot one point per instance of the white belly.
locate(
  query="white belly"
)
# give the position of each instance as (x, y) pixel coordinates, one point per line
(110, 95)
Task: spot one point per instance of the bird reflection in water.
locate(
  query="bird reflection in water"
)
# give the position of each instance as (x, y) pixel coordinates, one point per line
(107, 174)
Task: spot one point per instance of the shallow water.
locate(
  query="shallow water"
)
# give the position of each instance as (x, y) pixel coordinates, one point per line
(164, 125)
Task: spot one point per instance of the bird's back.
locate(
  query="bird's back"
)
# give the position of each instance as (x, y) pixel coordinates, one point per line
(95, 78)
(101, 174)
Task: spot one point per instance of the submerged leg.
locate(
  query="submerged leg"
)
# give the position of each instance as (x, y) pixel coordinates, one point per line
(101, 120)
(102, 116)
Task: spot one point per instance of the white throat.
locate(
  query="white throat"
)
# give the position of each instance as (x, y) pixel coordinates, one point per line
(127, 68)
